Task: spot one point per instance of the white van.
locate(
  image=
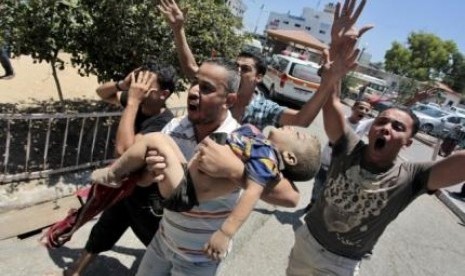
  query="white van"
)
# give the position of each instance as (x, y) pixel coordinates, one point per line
(291, 78)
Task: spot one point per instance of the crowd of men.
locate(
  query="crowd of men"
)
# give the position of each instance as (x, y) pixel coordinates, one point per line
(364, 188)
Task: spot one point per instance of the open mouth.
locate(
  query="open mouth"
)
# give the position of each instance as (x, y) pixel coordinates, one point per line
(380, 143)
(193, 105)
(360, 116)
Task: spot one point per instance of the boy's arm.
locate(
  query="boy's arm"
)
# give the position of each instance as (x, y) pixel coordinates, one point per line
(285, 194)
(441, 176)
(218, 243)
(175, 18)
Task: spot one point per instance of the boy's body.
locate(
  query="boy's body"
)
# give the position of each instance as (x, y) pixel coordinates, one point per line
(286, 151)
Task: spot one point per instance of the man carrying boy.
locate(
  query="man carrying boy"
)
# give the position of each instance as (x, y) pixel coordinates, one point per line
(286, 152)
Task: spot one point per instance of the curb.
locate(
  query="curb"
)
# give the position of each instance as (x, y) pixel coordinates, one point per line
(450, 203)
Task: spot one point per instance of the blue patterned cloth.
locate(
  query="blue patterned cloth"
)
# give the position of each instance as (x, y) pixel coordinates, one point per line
(262, 163)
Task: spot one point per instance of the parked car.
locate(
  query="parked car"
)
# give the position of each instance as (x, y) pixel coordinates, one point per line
(436, 121)
(291, 79)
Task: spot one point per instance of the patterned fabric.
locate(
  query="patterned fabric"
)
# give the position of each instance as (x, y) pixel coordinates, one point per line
(262, 112)
(259, 156)
(357, 205)
(186, 233)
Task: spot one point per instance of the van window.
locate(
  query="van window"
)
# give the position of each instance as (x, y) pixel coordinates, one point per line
(279, 64)
(305, 72)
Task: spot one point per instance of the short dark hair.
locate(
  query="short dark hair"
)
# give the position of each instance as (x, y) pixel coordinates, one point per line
(234, 79)
(308, 160)
(416, 121)
(166, 76)
(260, 63)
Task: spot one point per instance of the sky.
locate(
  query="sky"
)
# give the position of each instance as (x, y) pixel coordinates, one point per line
(394, 20)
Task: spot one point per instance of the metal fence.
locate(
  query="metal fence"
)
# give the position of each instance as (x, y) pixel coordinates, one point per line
(38, 145)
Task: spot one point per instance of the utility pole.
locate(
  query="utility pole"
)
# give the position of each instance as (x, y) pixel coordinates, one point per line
(258, 19)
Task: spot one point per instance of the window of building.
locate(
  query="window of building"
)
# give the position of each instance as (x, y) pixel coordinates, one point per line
(297, 25)
(286, 22)
(308, 28)
(322, 32)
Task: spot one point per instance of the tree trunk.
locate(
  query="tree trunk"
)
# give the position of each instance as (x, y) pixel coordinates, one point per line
(57, 81)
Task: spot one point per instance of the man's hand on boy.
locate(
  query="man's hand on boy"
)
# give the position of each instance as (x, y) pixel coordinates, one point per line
(219, 161)
(156, 165)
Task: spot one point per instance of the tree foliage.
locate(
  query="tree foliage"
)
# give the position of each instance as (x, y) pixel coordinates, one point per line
(124, 34)
(426, 57)
(44, 28)
(109, 38)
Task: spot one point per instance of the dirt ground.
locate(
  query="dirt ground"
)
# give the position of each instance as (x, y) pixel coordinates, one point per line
(34, 81)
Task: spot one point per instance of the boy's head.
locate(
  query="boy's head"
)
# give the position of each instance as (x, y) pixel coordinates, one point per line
(299, 151)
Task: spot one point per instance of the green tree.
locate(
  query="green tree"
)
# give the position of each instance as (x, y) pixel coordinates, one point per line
(124, 34)
(425, 57)
(45, 28)
(456, 76)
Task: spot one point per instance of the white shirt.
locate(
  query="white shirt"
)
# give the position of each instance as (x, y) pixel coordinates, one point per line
(186, 233)
(361, 128)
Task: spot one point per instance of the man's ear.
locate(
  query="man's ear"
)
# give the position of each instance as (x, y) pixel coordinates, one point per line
(409, 142)
(258, 78)
(231, 99)
(289, 158)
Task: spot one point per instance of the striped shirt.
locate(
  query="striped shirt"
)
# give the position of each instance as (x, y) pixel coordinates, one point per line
(186, 233)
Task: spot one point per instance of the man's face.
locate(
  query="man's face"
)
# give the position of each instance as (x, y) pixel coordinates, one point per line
(248, 72)
(207, 97)
(390, 131)
(360, 110)
(154, 97)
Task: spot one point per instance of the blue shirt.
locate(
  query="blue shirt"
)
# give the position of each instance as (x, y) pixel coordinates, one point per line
(262, 112)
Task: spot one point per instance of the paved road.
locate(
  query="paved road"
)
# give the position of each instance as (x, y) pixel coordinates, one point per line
(426, 239)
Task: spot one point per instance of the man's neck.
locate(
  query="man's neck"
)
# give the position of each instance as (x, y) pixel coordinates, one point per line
(203, 130)
(243, 100)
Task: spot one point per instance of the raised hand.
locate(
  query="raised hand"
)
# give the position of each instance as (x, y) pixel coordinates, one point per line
(140, 86)
(344, 36)
(174, 16)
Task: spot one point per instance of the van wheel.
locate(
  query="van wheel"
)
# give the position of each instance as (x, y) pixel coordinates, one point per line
(272, 92)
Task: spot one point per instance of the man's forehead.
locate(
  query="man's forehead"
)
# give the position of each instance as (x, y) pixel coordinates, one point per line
(396, 115)
(245, 60)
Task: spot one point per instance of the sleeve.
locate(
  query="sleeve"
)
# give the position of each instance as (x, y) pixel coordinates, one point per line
(262, 166)
(156, 123)
(273, 112)
(347, 143)
(123, 98)
(420, 174)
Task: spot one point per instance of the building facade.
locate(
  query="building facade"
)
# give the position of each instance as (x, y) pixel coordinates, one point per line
(237, 7)
(316, 23)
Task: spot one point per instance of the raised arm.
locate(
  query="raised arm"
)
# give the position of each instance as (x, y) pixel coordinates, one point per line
(441, 176)
(343, 39)
(126, 134)
(175, 18)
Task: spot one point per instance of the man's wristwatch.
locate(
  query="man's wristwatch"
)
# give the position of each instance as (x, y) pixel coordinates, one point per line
(118, 85)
